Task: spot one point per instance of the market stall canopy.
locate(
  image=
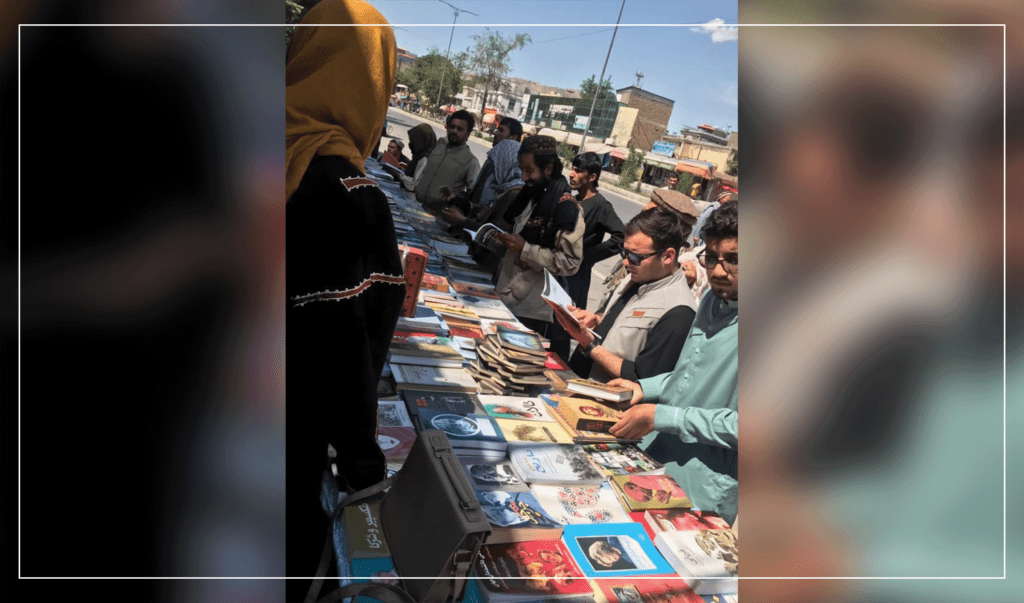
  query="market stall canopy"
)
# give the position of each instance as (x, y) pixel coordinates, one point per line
(598, 147)
(697, 168)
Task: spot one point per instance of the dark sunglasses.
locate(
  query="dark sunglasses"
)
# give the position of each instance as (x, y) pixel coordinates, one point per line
(635, 258)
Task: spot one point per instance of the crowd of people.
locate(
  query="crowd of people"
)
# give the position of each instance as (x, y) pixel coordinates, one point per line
(666, 329)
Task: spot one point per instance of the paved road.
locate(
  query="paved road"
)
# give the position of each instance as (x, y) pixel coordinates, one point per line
(401, 121)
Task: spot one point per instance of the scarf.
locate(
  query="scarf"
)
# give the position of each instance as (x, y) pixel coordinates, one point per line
(554, 209)
(338, 81)
(421, 142)
(505, 157)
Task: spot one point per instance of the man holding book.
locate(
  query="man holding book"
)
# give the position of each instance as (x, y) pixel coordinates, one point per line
(547, 235)
(689, 418)
(644, 323)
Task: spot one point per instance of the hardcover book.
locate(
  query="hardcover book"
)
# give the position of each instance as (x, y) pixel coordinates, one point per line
(614, 549)
(587, 504)
(528, 343)
(619, 397)
(413, 263)
(520, 432)
(516, 517)
(707, 559)
(641, 492)
(587, 415)
(539, 570)
(555, 464)
(623, 459)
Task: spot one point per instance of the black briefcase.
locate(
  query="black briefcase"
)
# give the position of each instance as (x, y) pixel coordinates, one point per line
(433, 522)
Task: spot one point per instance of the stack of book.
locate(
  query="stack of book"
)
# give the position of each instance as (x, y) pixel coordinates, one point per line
(570, 412)
(424, 351)
(432, 378)
(509, 360)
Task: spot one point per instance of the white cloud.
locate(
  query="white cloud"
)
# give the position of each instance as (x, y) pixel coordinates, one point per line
(719, 32)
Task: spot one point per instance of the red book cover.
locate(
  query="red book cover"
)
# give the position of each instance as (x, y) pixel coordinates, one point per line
(554, 361)
(640, 492)
(638, 517)
(662, 520)
(668, 590)
(414, 262)
(536, 567)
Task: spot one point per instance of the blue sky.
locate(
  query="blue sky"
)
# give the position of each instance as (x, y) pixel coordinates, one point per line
(695, 67)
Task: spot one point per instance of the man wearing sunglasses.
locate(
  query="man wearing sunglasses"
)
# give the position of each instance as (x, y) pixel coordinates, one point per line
(688, 417)
(645, 321)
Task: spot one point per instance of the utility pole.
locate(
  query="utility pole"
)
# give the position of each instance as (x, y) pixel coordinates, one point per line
(444, 68)
(600, 80)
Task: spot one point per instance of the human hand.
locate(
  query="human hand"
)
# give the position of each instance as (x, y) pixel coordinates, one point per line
(638, 392)
(635, 423)
(513, 242)
(453, 215)
(585, 317)
(690, 272)
(403, 165)
(582, 336)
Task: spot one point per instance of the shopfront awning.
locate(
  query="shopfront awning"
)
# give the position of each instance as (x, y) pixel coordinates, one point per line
(619, 153)
(702, 169)
(597, 147)
(558, 135)
(660, 161)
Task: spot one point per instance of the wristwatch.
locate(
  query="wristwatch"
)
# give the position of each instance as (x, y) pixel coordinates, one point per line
(589, 348)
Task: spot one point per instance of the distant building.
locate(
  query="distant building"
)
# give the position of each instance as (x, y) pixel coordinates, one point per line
(405, 59)
(570, 114)
(707, 143)
(653, 114)
(506, 100)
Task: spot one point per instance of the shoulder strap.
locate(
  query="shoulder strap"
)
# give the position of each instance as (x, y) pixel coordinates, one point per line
(382, 592)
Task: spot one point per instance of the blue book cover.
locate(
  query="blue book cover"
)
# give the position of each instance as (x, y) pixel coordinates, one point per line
(614, 549)
(375, 569)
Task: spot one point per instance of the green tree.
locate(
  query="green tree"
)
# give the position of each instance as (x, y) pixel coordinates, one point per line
(567, 153)
(630, 167)
(589, 89)
(426, 75)
(489, 58)
(685, 182)
(732, 168)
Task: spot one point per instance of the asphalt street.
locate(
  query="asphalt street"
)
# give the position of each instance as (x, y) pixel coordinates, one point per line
(400, 122)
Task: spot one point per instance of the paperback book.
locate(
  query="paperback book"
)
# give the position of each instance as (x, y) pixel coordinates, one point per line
(539, 570)
(516, 407)
(679, 520)
(436, 378)
(466, 431)
(516, 517)
(642, 492)
(587, 415)
(617, 397)
(707, 559)
(520, 432)
(555, 464)
(623, 459)
(666, 590)
(582, 504)
(614, 549)
(493, 475)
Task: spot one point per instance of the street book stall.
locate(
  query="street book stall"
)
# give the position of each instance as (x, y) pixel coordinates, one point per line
(505, 483)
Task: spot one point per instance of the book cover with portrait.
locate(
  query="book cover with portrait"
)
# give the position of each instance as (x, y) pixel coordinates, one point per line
(615, 549)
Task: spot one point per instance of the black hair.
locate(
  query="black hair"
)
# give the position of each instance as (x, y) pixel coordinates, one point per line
(542, 160)
(514, 127)
(666, 229)
(723, 223)
(589, 163)
(465, 116)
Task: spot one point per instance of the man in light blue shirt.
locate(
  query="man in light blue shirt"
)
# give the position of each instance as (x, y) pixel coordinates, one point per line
(688, 418)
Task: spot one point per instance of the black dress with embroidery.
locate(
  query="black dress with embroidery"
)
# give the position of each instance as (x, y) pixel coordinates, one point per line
(345, 288)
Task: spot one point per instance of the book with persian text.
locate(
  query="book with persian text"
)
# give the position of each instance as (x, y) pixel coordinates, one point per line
(707, 559)
(642, 492)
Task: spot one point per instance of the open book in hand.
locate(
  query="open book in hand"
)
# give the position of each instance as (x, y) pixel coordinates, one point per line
(485, 237)
(559, 300)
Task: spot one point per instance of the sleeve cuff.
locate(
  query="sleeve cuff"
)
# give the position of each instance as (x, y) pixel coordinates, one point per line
(669, 419)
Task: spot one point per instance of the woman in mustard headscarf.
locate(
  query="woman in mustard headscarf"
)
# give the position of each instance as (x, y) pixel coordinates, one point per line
(344, 275)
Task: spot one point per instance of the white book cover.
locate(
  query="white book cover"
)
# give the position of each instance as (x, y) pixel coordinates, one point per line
(707, 559)
(582, 504)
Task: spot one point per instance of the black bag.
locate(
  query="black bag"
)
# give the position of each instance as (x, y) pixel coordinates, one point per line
(432, 521)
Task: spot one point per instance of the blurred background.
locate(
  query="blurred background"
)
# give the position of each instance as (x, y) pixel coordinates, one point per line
(146, 431)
